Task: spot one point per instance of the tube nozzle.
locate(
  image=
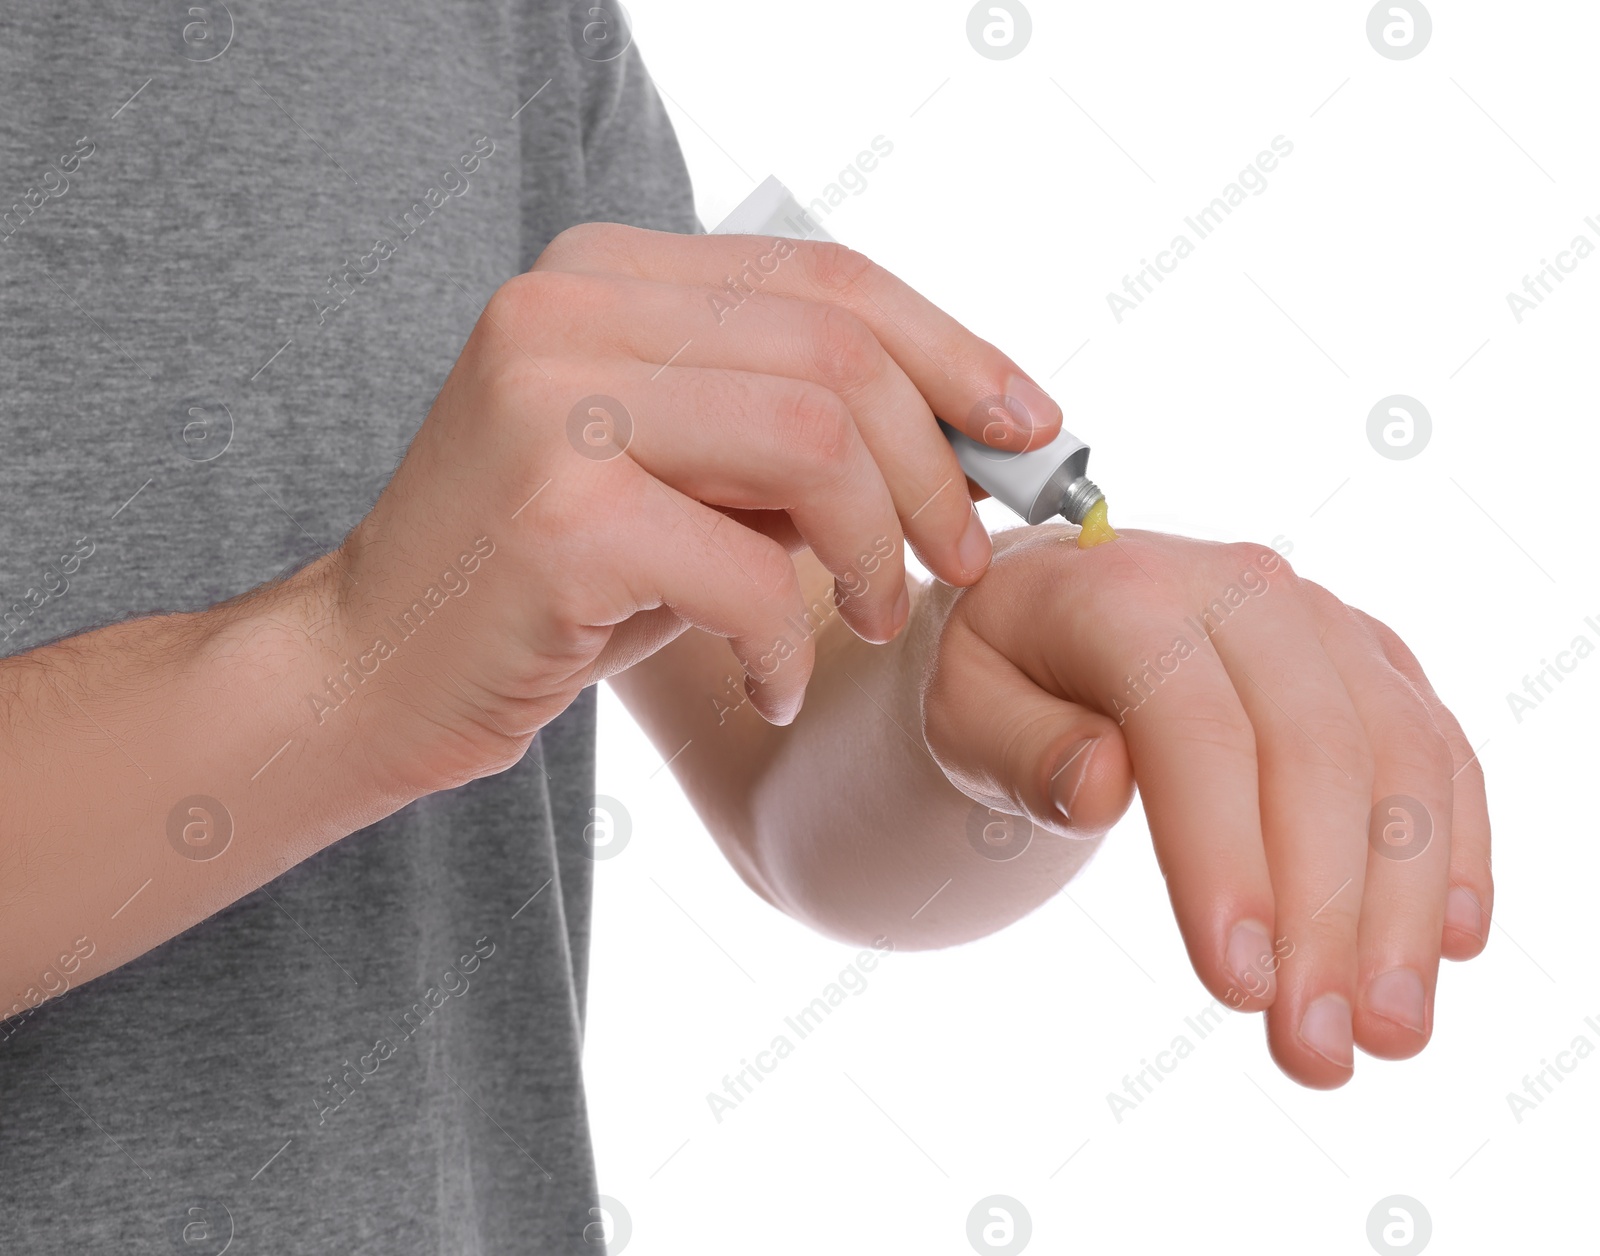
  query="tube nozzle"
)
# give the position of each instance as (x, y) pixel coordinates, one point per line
(1077, 498)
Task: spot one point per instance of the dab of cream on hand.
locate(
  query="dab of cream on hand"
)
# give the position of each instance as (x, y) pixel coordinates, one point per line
(1096, 529)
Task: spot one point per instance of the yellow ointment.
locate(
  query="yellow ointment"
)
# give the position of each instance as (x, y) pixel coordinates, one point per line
(1096, 527)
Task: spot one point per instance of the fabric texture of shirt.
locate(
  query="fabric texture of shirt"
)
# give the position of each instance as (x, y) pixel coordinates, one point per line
(240, 250)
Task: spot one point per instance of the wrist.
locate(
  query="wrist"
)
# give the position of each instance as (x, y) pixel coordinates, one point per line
(298, 645)
(399, 660)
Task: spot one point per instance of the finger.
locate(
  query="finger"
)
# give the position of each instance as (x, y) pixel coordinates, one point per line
(1007, 743)
(770, 523)
(1190, 742)
(683, 555)
(829, 346)
(736, 439)
(1316, 793)
(959, 373)
(1469, 903)
(1409, 840)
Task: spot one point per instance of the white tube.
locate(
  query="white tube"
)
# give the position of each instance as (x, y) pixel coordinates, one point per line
(1046, 481)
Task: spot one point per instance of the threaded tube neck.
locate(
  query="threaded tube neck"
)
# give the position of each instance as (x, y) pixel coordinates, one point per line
(1081, 494)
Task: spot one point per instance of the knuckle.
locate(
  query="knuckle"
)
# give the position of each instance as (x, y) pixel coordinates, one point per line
(834, 268)
(1252, 556)
(514, 310)
(566, 623)
(517, 294)
(504, 388)
(772, 570)
(1328, 604)
(568, 631)
(1393, 648)
(844, 353)
(583, 240)
(506, 308)
(572, 618)
(540, 292)
(815, 424)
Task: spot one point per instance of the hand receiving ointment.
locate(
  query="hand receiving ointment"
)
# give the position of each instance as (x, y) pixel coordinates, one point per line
(1043, 482)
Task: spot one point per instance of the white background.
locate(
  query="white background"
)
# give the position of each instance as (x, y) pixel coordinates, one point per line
(1232, 404)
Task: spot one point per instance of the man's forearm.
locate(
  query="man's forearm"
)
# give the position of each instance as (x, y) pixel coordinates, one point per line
(843, 819)
(156, 770)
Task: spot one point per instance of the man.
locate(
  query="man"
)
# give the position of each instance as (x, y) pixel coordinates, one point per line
(281, 278)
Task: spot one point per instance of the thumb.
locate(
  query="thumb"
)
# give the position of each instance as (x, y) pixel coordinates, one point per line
(1006, 742)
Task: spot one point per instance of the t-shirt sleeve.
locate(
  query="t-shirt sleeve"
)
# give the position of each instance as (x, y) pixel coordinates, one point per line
(634, 170)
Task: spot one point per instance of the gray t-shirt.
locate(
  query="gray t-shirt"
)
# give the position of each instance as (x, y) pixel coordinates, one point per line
(239, 253)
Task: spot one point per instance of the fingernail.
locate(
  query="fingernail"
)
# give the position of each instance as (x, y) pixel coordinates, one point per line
(975, 549)
(1325, 1028)
(1462, 911)
(1398, 996)
(902, 610)
(1069, 776)
(1030, 398)
(1250, 959)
